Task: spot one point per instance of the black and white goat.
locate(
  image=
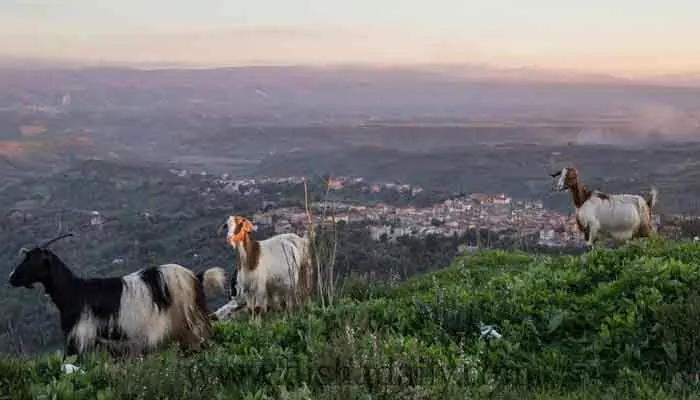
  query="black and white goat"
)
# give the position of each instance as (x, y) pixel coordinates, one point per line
(620, 216)
(131, 314)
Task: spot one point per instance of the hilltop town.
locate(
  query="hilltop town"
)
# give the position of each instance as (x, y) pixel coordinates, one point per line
(497, 213)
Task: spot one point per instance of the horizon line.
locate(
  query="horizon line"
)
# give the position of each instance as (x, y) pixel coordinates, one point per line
(19, 62)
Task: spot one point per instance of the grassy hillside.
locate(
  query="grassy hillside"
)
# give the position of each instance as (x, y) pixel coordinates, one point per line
(613, 324)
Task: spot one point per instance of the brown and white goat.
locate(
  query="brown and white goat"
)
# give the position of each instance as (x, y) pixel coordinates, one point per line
(621, 216)
(272, 272)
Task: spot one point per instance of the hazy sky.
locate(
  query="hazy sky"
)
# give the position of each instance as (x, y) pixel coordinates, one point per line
(598, 35)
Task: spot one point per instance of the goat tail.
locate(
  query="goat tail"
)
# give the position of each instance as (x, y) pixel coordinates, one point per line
(651, 198)
(213, 280)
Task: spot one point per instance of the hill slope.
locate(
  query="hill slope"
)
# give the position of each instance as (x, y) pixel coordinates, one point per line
(610, 324)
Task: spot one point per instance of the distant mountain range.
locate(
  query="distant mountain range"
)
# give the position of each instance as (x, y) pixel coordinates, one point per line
(195, 114)
(689, 79)
(283, 92)
(467, 72)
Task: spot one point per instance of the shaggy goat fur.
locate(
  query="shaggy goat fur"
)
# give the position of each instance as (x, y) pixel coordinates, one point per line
(134, 313)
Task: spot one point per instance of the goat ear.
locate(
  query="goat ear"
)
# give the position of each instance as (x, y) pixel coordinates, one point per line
(554, 175)
(221, 227)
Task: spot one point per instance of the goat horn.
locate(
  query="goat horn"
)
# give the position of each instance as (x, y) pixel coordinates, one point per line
(554, 175)
(220, 229)
(65, 235)
(23, 251)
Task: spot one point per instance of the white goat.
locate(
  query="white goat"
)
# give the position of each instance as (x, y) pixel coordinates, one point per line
(272, 272)
(621, 216)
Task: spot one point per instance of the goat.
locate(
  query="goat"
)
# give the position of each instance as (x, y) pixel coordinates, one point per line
(233, 305)
(134, 313)
(621, 216)
(275, 271)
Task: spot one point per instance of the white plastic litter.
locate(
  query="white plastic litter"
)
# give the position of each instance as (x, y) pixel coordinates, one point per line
(489, 331)
(70, 368)
(225, 311)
